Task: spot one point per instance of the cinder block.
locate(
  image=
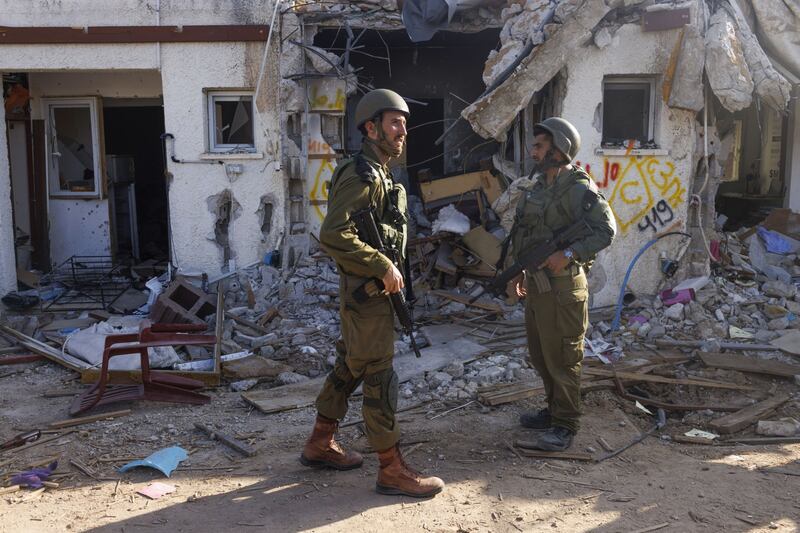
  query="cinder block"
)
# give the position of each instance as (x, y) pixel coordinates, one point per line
(182, 302)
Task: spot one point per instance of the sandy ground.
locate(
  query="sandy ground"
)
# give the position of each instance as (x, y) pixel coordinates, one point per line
(489, 488)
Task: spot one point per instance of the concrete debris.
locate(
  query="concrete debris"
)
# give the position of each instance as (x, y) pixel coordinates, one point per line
(687, 83)
(492, 115)
(770, 85)
(726, 67)
(778, 28)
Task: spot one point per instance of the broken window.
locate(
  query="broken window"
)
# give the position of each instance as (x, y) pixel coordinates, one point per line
(73, 147)
(230, 121)
(628, 105)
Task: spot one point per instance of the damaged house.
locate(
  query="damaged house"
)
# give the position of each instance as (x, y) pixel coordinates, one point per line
(203, 135)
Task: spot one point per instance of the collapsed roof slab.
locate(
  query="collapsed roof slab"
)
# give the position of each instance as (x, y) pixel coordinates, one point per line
(726, 67)
(492, 115)
(687, 82)
(770, 85)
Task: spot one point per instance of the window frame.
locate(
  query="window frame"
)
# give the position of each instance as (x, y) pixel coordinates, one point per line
(94, 105)
(212, 96)
(633, 80)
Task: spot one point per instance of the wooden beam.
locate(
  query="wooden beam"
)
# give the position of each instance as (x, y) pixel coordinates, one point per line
(649, 378)
(133, 34)
(755, 441)
(743, 363)
(88, 419)
(748, 416)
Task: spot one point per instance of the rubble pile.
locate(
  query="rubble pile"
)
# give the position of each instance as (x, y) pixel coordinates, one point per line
(752, 295)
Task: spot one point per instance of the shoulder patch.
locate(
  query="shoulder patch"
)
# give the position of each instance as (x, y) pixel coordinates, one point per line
(365, 170)
(589, 199)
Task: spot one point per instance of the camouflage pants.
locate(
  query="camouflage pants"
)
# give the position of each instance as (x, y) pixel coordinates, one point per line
(556, 323)
(364, 354)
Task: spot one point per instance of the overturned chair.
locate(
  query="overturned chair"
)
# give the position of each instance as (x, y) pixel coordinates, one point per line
(155, 386)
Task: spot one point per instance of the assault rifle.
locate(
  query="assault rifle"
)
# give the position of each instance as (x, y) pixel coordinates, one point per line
(368, 232)
(533, 258)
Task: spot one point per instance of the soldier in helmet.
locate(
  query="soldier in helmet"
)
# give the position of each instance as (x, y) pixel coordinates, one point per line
(556, 306)
(366, 349)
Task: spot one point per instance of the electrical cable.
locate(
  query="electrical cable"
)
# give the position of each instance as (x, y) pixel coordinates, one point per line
(642, 250)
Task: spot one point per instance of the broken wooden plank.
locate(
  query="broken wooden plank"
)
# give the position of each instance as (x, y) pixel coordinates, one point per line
(19, 359)
(743, 363)
(523, 447)
(528, 391)
(247, 323)
(748, 416)
(63, 359)
(88, 419)
(755, 441)
(649, 378)
(39, 442)
(464, 299)
(229, 441)
(570, 481)
(670, 343)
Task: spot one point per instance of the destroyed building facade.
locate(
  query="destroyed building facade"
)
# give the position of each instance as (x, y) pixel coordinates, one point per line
(207, 133)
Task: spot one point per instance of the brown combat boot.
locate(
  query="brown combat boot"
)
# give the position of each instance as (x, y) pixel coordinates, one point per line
(395, 477)
(322, 450)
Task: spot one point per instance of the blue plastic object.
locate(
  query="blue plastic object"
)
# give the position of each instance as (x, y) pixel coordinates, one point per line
(618, 314)
(165, 461)
(774, 242)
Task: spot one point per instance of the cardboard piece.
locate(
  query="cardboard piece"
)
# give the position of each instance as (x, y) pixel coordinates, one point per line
(455, 186)
(783, 221)
(156, 490)
(789, 343)
(485, 245)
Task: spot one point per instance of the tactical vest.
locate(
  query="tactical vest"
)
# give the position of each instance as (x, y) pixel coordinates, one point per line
(542, 210)
(389, 201)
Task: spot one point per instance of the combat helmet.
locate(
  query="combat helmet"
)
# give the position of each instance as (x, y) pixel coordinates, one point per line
(378, 101)
(566, 138)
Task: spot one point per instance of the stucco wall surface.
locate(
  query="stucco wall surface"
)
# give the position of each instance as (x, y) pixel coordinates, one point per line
(186, 69)
(224, 65)
(648, 193)
(133, 12)
(8, 269)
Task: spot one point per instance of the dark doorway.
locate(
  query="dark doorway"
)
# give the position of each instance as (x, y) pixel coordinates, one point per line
(425, 126)
(137, 189)
(445, 73)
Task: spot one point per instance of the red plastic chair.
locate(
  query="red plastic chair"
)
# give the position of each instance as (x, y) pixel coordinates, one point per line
(155, 386)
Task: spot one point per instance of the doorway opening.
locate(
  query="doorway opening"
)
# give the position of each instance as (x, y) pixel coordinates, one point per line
(137, 189)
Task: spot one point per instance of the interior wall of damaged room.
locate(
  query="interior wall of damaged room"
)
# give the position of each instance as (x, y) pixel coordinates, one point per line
(81, 226)
(201, 193)
(8, 268)
(648, 189)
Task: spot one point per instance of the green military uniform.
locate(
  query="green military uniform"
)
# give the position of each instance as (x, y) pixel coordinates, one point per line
(366, 349)
(556, 316)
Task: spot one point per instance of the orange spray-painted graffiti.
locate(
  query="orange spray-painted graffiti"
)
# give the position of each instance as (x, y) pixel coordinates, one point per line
(644, 191)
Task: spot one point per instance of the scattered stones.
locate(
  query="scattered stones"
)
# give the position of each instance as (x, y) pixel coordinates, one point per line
(675, 312)
(290, 378)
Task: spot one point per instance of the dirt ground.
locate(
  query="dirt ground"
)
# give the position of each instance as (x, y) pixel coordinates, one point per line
(656, 485)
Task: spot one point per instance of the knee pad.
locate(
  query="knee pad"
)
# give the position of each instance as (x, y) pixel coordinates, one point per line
(341, 378)
(380, 391)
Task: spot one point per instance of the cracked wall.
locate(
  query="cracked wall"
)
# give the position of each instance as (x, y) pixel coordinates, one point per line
(648, 190)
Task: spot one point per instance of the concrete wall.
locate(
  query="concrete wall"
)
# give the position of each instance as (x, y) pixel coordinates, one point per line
(186, 69)
(648, 193)
(792, 198)
(8, 268)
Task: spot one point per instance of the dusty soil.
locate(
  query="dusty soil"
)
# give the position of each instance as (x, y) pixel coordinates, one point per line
(489, 488)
